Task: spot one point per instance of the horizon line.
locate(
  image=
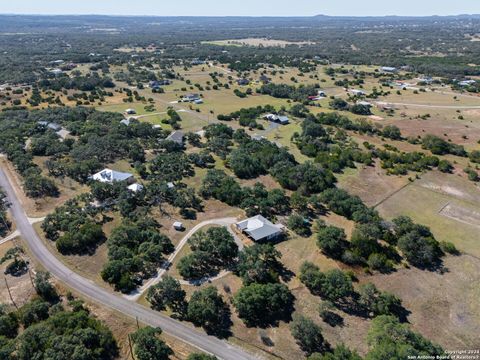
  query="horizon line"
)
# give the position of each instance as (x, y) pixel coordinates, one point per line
(242, 16)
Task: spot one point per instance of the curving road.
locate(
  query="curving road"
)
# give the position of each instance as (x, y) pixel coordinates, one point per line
(89, 289)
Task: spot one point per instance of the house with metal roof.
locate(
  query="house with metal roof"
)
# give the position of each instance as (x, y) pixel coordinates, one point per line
(111, 176)
(177, 137)
(260, 229)
(282, 119)
(191, 97)
(389, 69)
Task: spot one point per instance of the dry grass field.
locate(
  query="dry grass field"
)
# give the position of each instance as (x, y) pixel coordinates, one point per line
(425, 201)
(443, 306)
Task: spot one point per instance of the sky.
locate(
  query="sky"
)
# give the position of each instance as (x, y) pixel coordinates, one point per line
(243, 7)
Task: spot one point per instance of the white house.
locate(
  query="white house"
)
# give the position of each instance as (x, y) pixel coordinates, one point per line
(57, 72)
(135, 187)
(358, 92)
(389, 69)
(271, 117)
(281, 119)
(191, 98)
(110, 176)
(467, 82)
(260, 229)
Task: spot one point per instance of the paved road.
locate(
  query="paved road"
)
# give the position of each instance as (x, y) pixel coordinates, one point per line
(429, 106)
(90, 290)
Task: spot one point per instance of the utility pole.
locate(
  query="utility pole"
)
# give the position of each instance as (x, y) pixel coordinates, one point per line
(130, 345)
(31, 279)
(10, 294)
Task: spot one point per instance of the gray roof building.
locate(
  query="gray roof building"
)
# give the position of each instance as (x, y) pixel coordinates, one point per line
(176, 136)
(111, 176)
(260, 229)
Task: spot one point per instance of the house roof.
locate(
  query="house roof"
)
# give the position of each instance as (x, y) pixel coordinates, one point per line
(176, 136)
(107, 175)
(192, 96)
(364, 103)
(259, 228)
(135, 187)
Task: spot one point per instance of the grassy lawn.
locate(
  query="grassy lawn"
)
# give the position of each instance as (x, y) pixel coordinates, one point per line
(423, 201)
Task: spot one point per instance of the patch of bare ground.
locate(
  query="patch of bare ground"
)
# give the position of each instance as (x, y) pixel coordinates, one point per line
(451, 185)
(372, 184)
(267, 180)
(20, 286)
(461, 214)
(459, 132)
(444, 307)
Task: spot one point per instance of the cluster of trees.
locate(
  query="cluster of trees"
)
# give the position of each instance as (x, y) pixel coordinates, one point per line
(342, 105)
(362, 126)
(400, 163)
(205, 308)
(135, 252)
(212, 250)
(254, 200)
(263, 304)
(387, 338)
(147, 345)
(247, 117)
(334, 152)
(284, 91)
(439, 146)
(14, 127)
(173, 119)
(416, 242)
(45, 328)
(89, 82)
(101, 139)
(262, 300)
(74, 228)
(17, 265)
(253, 158)
(4, 223)
(336, 288)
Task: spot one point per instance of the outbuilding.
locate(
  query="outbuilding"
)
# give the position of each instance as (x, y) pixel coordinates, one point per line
(177, 225)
